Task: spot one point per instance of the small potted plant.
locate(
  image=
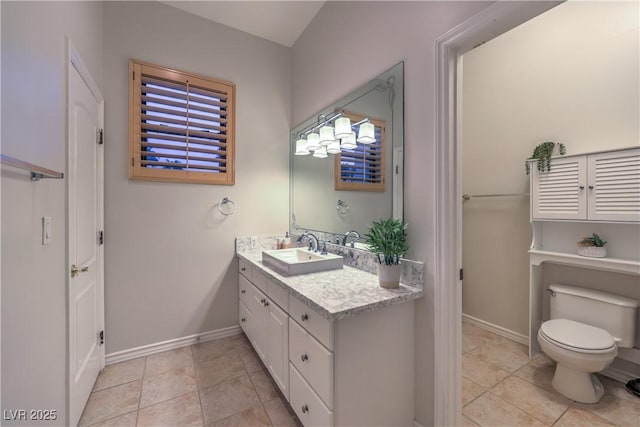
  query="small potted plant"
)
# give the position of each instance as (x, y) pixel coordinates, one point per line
(593, 247)
(543, 153)
(387, 239)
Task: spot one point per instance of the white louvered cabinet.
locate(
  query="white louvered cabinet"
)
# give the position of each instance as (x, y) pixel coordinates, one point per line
(592, 187)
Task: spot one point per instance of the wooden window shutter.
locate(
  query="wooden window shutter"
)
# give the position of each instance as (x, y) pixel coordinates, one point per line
(181, 126)
(363, 168)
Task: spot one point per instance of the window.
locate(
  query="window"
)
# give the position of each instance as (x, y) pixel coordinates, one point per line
(181, 126)
(363, 168)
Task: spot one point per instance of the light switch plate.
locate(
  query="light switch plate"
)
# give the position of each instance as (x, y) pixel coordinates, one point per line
(46, 230)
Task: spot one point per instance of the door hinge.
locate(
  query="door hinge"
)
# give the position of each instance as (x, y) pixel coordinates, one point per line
(133, 77)
(101, 237)
(132, 162)
(101, 337)
(461, 274)
(100, 137)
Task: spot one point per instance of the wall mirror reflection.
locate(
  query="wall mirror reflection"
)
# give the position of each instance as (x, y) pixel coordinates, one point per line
(347, 161)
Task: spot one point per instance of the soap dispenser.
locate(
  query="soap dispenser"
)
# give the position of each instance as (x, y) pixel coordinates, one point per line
(286, 242)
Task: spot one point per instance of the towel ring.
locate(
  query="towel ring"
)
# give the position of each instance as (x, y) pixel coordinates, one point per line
(342, 207)
(229, 207)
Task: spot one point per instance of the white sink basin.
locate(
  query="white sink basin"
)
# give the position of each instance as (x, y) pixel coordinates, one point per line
(294, 261)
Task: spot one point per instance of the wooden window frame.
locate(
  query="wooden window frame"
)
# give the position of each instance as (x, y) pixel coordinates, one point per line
(363, 186)
(136, 169)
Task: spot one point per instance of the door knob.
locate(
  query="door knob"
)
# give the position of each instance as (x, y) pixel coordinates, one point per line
(75, 270)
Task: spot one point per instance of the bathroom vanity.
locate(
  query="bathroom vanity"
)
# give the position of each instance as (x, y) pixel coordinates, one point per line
(339, 347)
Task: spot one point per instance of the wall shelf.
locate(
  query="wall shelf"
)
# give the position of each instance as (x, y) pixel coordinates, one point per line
(615, 265)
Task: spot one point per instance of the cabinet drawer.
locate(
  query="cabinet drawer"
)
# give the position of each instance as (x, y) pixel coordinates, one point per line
(319, 327)
(244, 318)
(244, 290)
(278, 294)
(244, 268)
(313, 361)
(306, 403)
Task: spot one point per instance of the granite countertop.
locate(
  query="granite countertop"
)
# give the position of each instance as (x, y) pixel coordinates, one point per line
(336, 294)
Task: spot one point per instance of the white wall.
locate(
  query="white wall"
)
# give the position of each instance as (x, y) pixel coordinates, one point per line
(569, 75)
(33, 277)
(361, 40)
(170, 269)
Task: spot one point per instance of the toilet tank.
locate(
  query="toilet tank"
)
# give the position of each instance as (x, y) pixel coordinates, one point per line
(613, 313)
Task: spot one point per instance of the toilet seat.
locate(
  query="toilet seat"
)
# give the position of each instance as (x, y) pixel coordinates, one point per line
(577, 336)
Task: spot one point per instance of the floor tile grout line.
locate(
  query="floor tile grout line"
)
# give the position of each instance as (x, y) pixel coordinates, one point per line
(193, 359)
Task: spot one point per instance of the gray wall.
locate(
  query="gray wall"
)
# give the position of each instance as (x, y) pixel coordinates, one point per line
(169, 262)
(362, 39)
(34, 342)
(569, 75)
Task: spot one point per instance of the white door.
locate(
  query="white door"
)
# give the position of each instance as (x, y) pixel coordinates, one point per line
(85, 217)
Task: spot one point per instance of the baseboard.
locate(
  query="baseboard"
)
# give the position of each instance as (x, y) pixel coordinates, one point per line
(146, 350)
(618, 374)
(498, 330)
(416, 424)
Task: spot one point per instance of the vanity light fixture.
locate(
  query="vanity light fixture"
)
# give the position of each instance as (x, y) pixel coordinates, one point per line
(367, 133)
(313, 141)
(349, 141)
(326, 135)
(301, 147)
(321, 152)
(343, 127)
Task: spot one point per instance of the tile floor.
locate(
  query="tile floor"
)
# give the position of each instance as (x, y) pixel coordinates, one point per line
(502, 387)
(216, 383)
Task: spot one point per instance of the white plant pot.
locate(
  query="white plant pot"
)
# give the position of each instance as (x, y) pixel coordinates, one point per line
(389, 275)
(592, 251)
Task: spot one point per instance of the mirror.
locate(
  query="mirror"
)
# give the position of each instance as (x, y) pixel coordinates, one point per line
(350, 190)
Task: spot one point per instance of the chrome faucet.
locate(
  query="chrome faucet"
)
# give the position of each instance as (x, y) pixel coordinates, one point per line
(346, 236)
(314, 244)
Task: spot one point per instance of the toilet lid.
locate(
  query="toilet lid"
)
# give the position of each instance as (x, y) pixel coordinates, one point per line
(577, 335)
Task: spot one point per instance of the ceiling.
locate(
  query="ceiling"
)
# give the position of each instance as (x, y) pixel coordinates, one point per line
(279, 21)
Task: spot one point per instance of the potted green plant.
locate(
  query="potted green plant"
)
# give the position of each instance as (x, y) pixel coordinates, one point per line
(543, 153)
(593, 247)
(387, 239)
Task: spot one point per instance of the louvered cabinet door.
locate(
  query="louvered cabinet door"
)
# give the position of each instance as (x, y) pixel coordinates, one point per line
(614, 186)
(561, 192)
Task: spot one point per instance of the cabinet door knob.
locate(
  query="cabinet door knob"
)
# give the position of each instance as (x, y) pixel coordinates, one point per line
(243, 269)
(243, 291)
(243, 320)
(266, 303)
(591, 187)
(304, 317)
(262, 301)
(304, 357)
(305, 409)
(582, 187)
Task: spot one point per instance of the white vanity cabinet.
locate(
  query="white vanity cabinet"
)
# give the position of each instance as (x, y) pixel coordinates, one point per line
(356, 370)
(601, 186)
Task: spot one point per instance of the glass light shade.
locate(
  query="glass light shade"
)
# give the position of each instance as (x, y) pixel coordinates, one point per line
(367, 133)
(313, 141)
(333, 147)
(321, 152)
(326, 135)
(349, 142)
(343, 127)
(301, 147)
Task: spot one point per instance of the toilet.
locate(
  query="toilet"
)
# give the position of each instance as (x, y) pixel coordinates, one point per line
(583, 336)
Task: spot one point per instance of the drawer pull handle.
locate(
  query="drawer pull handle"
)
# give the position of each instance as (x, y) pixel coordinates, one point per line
(305, 409)
(243, 320)
(304, 317)
(304, 357)
(243, 291)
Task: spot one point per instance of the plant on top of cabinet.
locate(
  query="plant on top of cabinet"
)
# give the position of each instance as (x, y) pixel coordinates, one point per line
(543, 153)
(593, 247)
(387, 239)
